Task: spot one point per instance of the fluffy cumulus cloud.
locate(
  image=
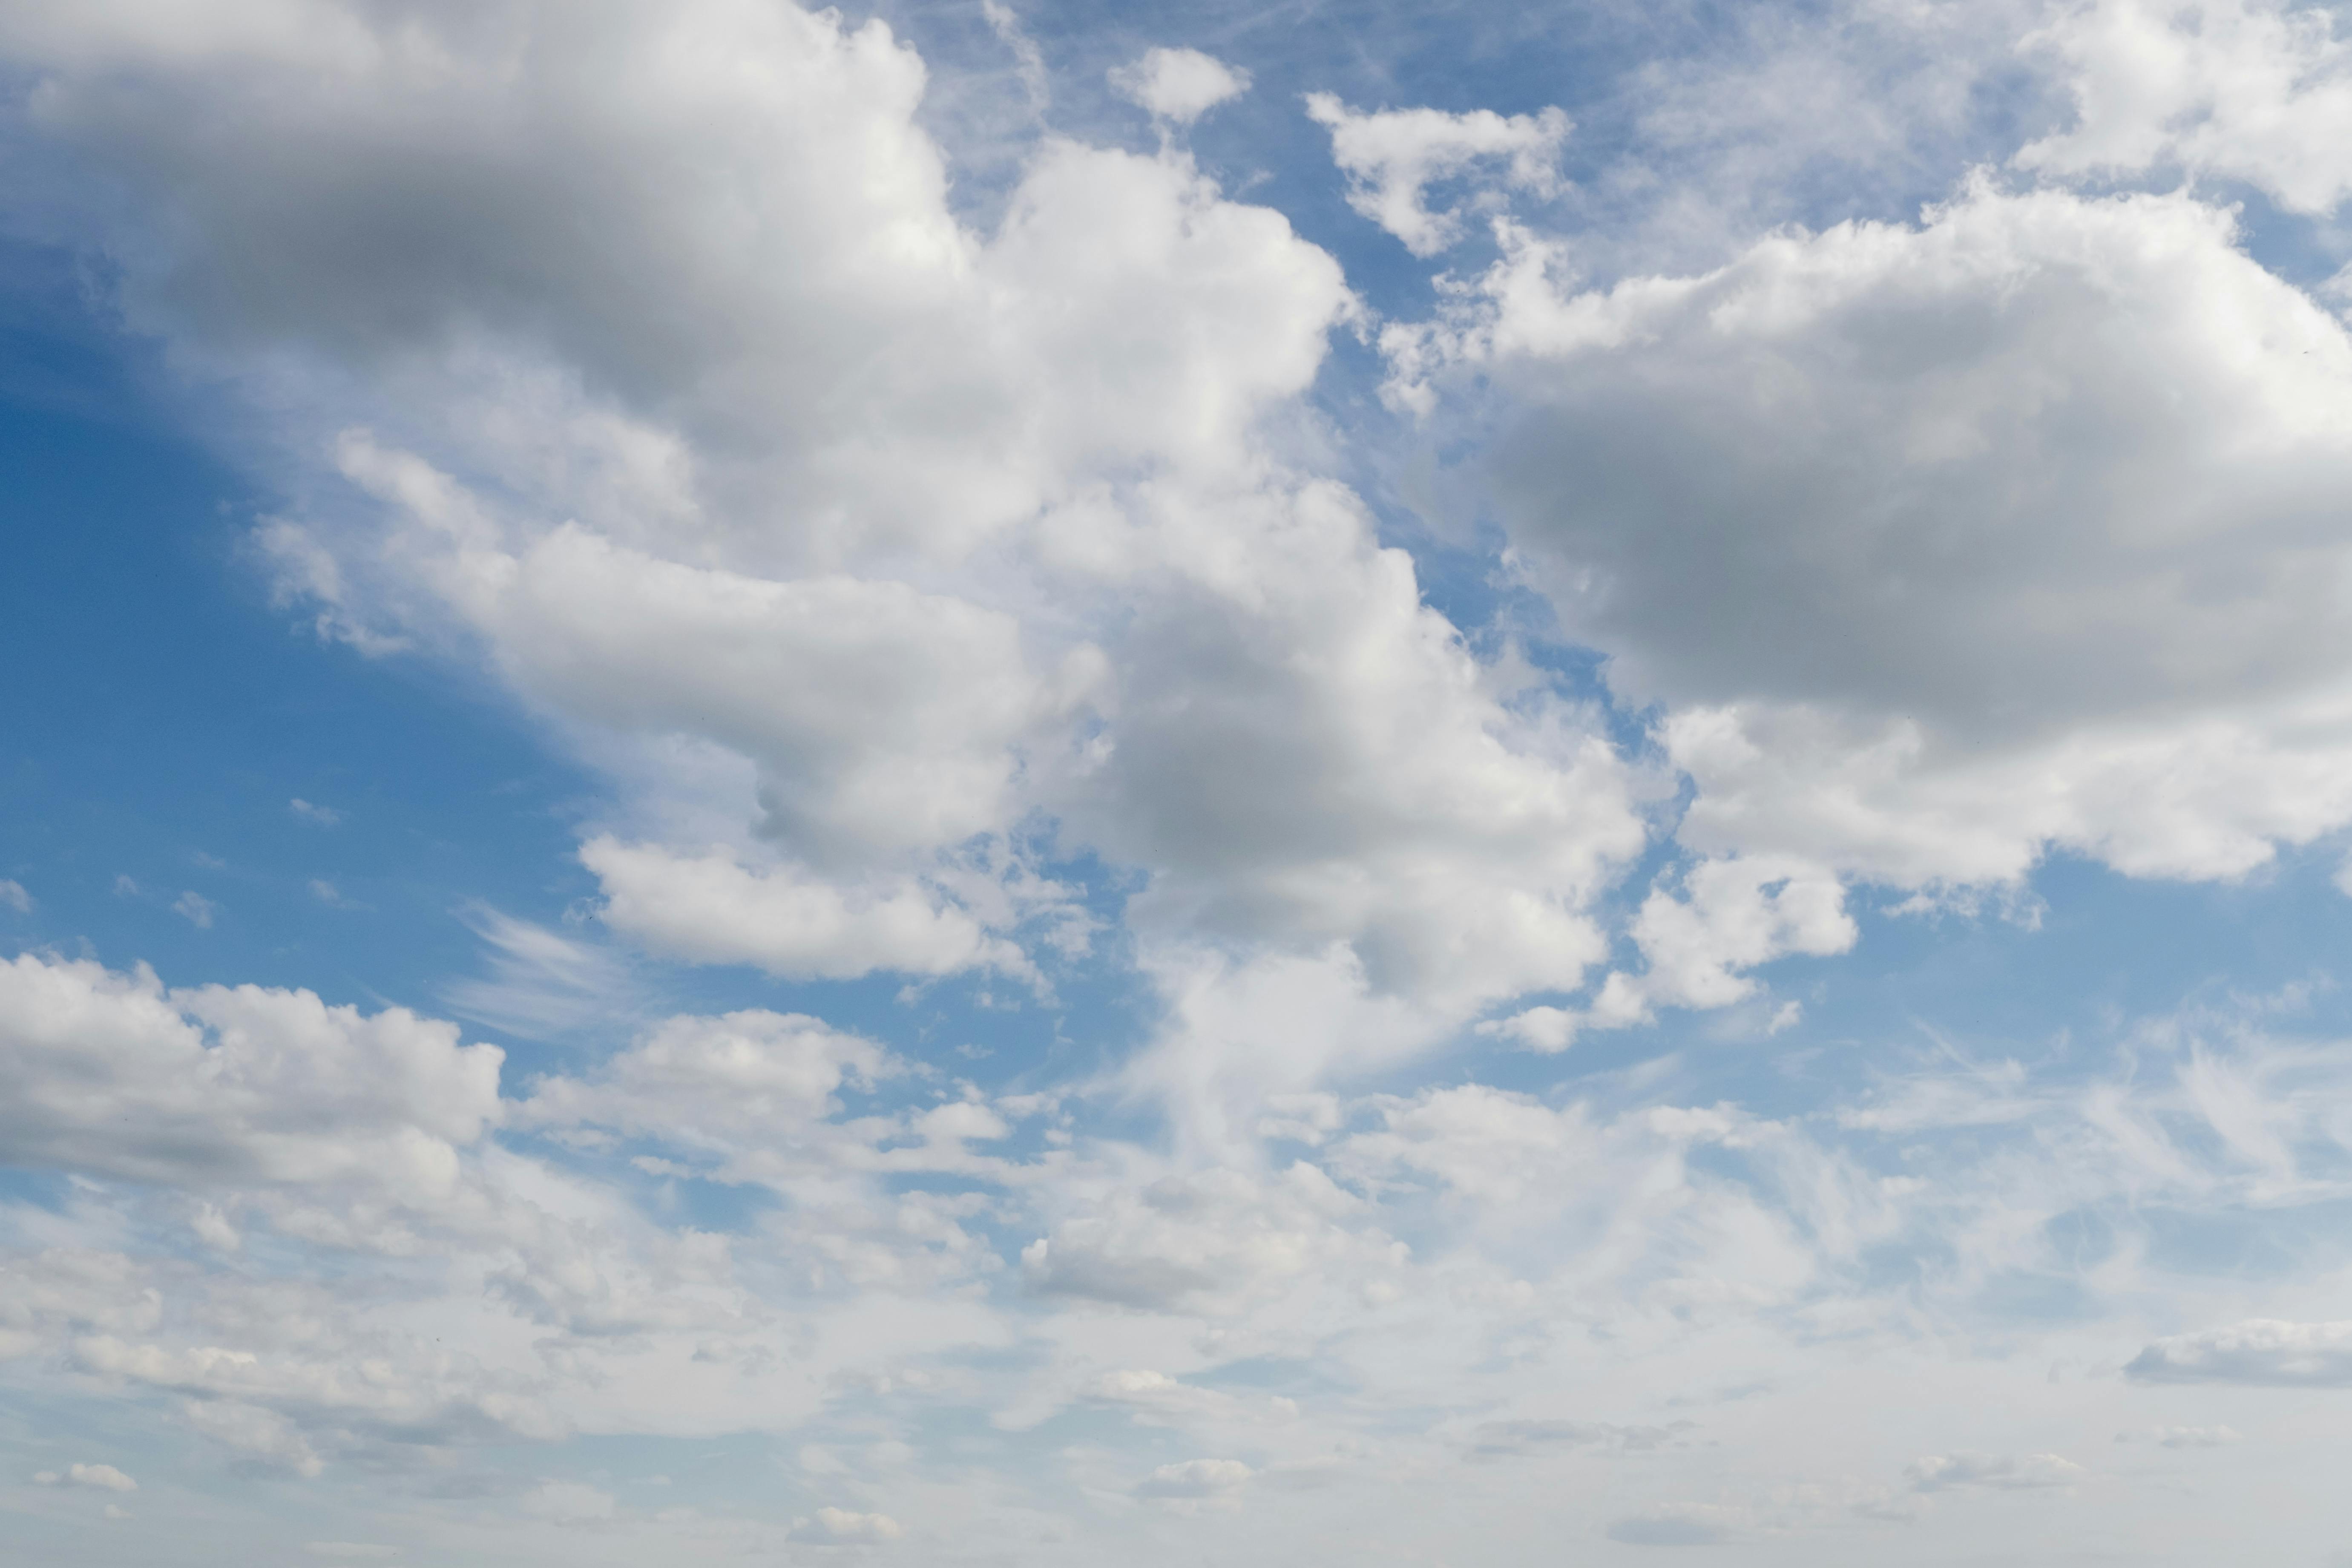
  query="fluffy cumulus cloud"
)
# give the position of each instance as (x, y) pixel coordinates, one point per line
(113, 1075)
(2058, 463)
(1179, 85)
(2255, 92)
(713, 909)
(1150, 797)
(879, 536)
(101, 1478)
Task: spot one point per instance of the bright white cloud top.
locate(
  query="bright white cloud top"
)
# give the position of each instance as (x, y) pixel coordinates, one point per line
(1272, 813)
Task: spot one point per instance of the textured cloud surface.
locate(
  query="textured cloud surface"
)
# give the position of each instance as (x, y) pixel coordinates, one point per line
(1271, 799)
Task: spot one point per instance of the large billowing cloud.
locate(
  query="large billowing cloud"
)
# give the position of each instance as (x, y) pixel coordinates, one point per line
(852, 539)
(1937, 546)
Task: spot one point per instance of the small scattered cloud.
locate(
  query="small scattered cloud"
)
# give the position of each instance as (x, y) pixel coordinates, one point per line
(1179, 85)
(196, 909)
(351, 1550)
(1156, 1397)
(2262, 1352)
(215, 1230)
(1997, 1472)
(13, 896)
(326, 893)
(323, 815)
(96, 1477)
(126, 886)
(1392, 156)
(1195, 1478)
(840, 1527)
(1550, 1030)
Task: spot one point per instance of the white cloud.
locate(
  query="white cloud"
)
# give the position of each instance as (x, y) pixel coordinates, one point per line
(1451, 833)
(1989, 332)
(2262, 1352)
(1999, 1472)
(883, 537)
(883, 719)
(1179, 85)
(196, 909)
(845, 1527)
(213, 1228)
(1553, 1250)
(1241, 1037)
(773, 480)
(1547, 1029)
(1924, 441)
(1392, 157)
(726, 1084)
(1157, 1399)
(113, 1075)
(99, 1477)
(2241, 89)
(323, 815)
(884, 560)
(713, 910)
(1488, 1146)
(256, 1433)
(72, 1289)
(1211, 1242)
(326, 893)
(1733, 914)
(540, 982)
(1035, 81)
(785, 1103)
(1195, 1478)
(13, 896)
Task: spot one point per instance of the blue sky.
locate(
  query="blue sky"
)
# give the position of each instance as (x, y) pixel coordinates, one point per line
(1045, 785)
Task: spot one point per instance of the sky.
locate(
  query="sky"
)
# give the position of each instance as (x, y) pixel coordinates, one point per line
(1050, 782)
